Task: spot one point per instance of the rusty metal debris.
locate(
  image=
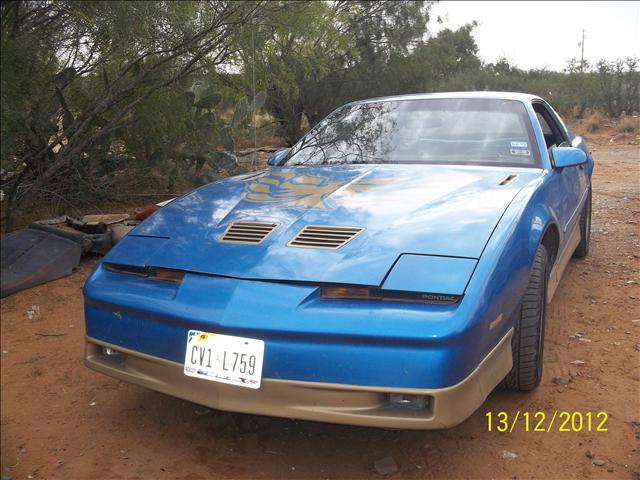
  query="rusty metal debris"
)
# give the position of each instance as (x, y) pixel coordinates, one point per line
(107, 219)
(50, 249)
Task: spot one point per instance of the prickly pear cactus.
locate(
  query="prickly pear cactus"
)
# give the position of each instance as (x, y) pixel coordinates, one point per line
(214, 144)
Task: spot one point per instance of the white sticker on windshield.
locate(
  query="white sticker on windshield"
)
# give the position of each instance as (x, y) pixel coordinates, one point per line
(519, 144)
(520, 151)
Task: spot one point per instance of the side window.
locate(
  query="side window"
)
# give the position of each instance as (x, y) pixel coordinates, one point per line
(543, 123)
(554, 135)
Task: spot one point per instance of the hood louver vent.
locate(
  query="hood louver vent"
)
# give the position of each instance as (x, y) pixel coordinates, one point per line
(249, 233)
(322, 236)
(507, 180)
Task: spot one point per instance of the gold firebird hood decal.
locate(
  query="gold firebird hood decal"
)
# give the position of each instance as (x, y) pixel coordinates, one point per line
(306, 191)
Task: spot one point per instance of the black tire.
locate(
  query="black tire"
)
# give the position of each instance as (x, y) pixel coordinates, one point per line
(527, 343)
(585, 229)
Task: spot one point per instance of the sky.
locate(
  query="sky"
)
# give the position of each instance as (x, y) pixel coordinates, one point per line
(546, 34)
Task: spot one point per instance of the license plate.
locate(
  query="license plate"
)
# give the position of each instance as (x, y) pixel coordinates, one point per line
(223, 358)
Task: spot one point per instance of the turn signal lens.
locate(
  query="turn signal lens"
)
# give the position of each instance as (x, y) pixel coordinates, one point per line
(369, 293)
(164, 274)
(128, 269)
(345, 292)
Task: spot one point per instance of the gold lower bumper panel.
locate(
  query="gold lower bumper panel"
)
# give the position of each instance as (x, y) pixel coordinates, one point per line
(323, 402)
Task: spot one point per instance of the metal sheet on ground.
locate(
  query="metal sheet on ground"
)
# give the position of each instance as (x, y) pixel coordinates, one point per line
(31, 257)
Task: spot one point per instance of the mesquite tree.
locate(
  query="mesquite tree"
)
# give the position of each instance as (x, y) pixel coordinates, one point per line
(76, 73)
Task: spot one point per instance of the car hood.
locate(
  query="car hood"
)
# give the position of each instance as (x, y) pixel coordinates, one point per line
(417, 209)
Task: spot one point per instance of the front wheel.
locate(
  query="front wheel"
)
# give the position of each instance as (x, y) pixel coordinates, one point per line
(527, 343)
(585, 229)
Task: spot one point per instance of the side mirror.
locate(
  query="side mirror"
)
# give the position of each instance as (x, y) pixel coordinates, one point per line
(277, 157)
(567, 157)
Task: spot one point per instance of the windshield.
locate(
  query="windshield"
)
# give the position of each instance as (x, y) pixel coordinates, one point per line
(453, 130)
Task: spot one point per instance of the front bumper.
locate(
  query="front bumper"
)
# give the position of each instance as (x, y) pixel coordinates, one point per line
(316, 401)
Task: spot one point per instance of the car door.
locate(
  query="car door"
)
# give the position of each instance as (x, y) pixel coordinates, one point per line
(573, 181)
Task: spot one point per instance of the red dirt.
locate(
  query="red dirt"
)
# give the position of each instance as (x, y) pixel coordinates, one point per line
(60, 420)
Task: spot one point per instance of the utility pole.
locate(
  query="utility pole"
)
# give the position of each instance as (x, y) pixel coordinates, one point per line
(582, 54)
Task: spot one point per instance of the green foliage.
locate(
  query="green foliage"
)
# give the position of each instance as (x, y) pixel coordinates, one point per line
(325, 53)
(91, 86)
(27, 91)
(610, 87)
(314, 57)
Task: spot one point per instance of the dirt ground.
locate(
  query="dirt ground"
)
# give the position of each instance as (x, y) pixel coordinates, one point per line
(60, 420)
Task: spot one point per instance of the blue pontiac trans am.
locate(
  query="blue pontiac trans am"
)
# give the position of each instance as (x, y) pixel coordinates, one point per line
(390, 269)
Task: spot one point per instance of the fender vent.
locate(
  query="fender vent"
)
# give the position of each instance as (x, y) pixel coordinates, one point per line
(322, 236)
(249, 233)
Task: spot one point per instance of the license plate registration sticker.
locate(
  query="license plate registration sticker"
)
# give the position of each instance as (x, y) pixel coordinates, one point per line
(224, 358)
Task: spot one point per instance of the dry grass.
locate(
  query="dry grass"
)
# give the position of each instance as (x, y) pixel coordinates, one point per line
(593, 122)
(628, 124)
(574, 114)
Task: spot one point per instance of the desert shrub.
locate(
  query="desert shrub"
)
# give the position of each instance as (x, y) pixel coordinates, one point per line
(628, 124)
(593, 122)
(576, 112)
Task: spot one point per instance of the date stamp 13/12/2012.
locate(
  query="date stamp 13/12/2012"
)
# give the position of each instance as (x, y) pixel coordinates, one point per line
(556, 421)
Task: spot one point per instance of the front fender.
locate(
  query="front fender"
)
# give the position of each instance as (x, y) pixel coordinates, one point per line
(502, 274)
